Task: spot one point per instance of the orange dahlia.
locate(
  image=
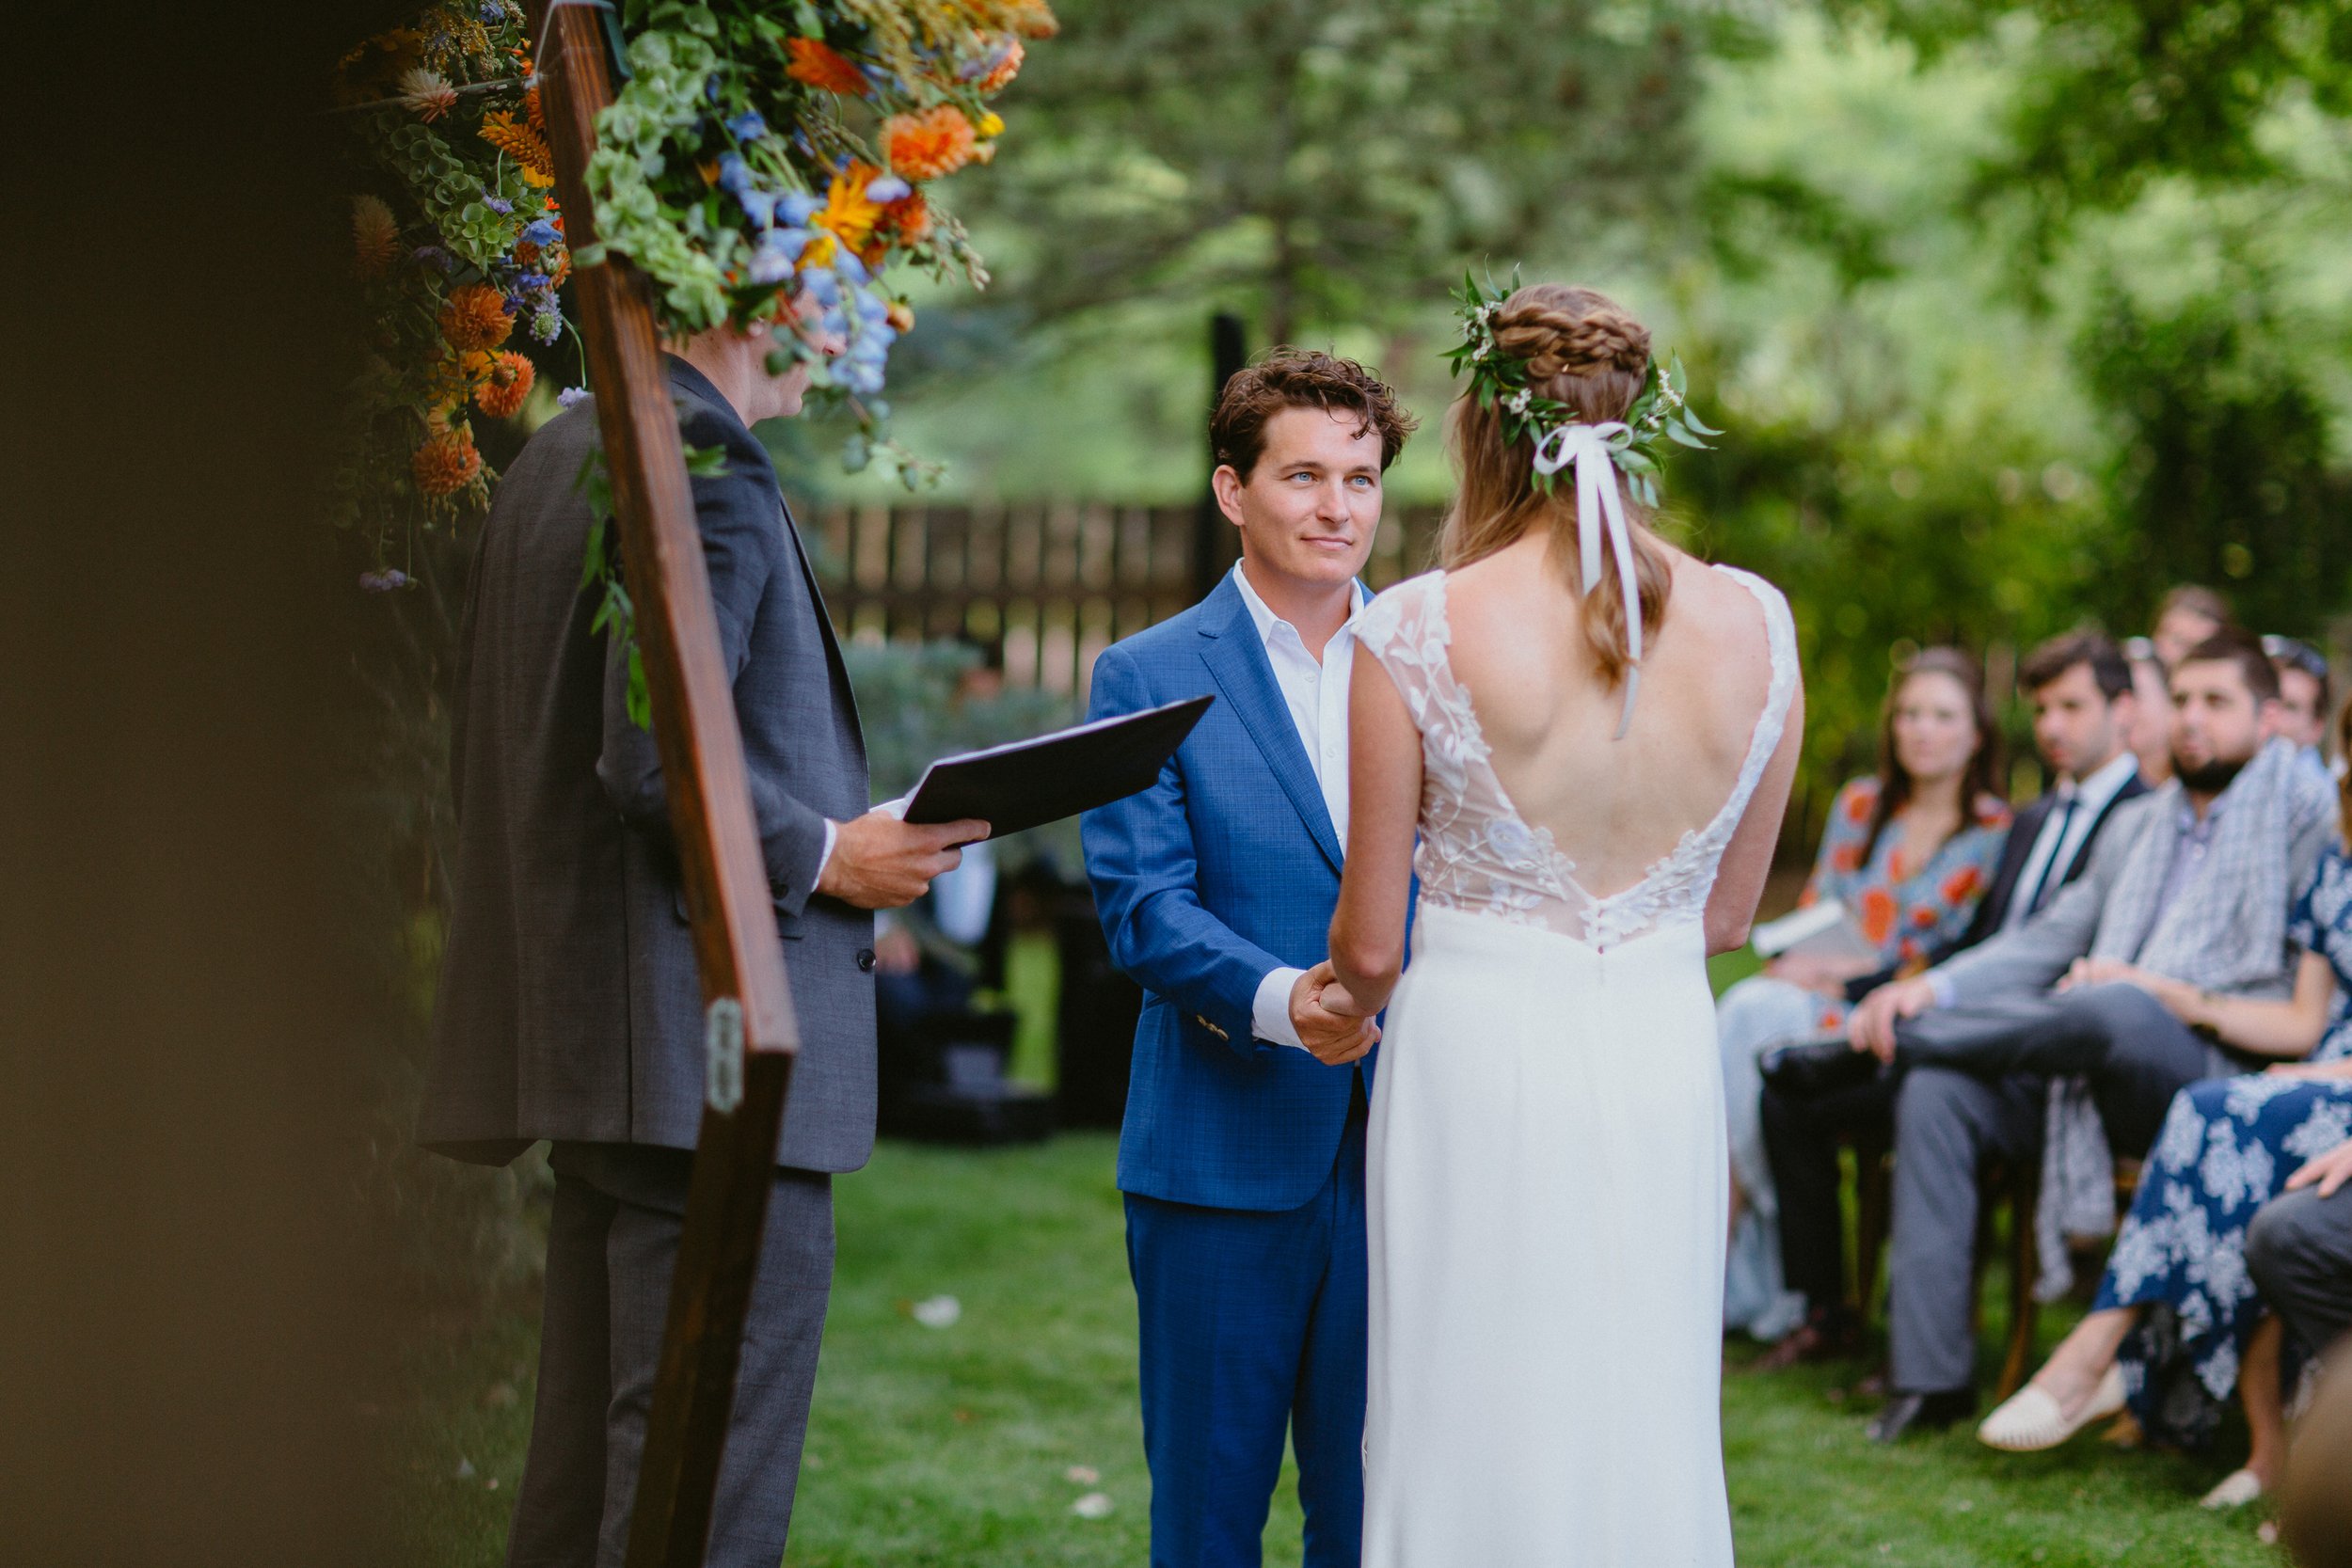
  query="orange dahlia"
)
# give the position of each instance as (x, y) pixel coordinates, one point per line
(818, 64)
(500, 394)
(926, 146)
(1004, 70)
(446, 464)
(475, 317)
(375, 234)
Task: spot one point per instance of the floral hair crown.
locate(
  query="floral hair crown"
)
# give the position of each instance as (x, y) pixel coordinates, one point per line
(1498, 381)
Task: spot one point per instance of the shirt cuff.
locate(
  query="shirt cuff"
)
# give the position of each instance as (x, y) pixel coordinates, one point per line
(832, 831)
(1941, 985)
(1270, 1014)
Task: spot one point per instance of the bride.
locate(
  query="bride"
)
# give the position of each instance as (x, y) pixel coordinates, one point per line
(1593, 734)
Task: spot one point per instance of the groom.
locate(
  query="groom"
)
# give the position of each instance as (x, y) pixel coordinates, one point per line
(1243, 1154)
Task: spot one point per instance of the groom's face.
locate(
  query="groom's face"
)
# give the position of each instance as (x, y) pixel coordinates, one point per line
(1312, 502)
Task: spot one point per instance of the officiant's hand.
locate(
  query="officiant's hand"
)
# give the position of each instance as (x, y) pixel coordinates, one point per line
(879, 863)
(1872, 1025)
(1332, 1038)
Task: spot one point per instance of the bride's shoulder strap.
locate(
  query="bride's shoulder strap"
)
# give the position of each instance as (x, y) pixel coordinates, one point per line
(1780, 635)
(1405, 619)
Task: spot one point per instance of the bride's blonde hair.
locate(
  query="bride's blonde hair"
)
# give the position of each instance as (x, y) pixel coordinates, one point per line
(1582, 349)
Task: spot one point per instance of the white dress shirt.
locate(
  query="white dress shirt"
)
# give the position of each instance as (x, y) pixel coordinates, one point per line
(1316, 695)
(2064, 832)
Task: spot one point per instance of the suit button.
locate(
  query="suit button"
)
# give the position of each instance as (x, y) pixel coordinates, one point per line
(866, 959)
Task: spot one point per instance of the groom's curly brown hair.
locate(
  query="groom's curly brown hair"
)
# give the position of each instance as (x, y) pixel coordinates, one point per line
(1302, 378)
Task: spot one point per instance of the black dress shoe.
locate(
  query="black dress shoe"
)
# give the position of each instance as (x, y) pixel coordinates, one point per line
(1816, 1068)
(1926, 1412)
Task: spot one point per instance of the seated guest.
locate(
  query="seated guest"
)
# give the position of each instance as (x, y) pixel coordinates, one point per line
(2150, 736)
(2193, 882)
(2177, 1321)
(2083, 706)
(2298, 1251)
(2303, 696)
(2186, 617)
(1909, 853)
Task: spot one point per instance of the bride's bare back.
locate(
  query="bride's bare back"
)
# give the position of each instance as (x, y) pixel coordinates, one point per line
(1613, 807)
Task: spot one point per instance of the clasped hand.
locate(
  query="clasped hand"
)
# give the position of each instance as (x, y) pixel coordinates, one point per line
(1330, 1023)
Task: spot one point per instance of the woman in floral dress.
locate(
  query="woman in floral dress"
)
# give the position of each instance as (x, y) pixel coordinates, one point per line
(1909, 852)
(2177, 1323)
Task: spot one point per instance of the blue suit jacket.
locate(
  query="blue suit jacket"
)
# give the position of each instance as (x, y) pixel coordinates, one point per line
(1224, 869)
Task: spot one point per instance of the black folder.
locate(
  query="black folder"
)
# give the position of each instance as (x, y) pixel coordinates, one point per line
(1029, 783)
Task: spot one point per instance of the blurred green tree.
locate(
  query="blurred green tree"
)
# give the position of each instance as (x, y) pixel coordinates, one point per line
(1317, 162)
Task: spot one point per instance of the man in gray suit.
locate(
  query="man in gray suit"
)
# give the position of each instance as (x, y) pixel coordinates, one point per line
(2299, 1251)
(2191, 881)
(569, 1008)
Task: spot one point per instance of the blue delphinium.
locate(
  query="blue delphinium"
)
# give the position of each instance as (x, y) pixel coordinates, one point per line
(795, 208)
(498, 204)
(542, 233)
(759, 206)
(572, 397)
(887, 189)
(735, 175)
(748, 126)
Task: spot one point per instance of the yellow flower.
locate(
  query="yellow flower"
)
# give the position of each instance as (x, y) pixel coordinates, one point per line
(527, 146)
(848, 215)
(992, 124)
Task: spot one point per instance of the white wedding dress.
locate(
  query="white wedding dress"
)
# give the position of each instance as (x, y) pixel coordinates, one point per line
(1545, 1184)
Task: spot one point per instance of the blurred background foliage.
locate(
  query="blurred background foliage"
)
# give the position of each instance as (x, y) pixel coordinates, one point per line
(2017, 314)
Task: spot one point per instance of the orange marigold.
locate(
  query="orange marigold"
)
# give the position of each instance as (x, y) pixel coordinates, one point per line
(1006, 69)
(446, 464)
(475, 317)
(926, 146)
(523, 144)
(819, 65)
(500, 394)
(909, 218)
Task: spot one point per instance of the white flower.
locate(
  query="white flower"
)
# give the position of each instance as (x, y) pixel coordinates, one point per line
(2234, 1175)
(2245, 1095)
(2329, 1124)
(938, 1312)
(1511, 840)
(2184, 1135)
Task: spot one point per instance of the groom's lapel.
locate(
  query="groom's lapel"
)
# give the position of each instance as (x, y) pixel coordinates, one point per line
(1237, 660)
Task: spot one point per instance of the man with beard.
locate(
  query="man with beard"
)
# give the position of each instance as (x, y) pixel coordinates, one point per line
(2192, 882)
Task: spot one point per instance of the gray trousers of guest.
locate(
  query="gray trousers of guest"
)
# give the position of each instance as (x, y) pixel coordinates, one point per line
(613, 1244)
(1976, 1090)
(2299, 1252)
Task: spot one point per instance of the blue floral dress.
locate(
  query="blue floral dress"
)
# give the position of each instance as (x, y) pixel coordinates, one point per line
(2227, 1148)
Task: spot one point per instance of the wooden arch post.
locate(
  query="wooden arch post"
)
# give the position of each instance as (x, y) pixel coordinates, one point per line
(736, 945)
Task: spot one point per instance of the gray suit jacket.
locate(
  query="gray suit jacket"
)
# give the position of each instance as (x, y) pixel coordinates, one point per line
(570, 1007)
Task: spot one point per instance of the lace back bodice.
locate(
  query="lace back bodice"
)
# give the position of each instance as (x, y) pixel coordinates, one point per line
(1477, 853)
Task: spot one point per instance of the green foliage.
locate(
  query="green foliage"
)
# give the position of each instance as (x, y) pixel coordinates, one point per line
(1327, 163)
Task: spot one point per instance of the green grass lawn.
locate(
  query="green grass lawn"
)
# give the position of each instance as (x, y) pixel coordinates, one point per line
(958, 1446)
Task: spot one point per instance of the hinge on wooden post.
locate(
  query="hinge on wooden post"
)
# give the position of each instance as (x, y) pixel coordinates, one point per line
(722, 1055)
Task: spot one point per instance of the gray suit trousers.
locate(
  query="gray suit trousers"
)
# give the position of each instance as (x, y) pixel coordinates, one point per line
(2299, 1251)
(611, 1247)
(1977, 1090)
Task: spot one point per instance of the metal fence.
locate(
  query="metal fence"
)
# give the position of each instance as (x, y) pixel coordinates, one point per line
(1055, 582)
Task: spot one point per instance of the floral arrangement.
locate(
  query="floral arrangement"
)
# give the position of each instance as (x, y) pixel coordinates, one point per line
(762, 163)
(765, 163)
(458, 248)
(1498, 381)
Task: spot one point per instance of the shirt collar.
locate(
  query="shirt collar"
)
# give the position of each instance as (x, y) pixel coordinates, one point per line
(2107, 782)
(1262, 614)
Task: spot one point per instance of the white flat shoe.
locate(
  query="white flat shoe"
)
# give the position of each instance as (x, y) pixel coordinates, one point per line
(2237, 1489)
(2030, 1420)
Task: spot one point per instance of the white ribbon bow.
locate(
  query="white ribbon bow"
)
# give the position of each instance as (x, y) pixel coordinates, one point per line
(1600, 508)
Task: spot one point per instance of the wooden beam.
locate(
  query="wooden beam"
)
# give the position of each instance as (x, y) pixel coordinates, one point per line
(736, 943)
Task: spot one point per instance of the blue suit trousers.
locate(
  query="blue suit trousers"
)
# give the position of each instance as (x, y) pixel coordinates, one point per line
(1254, 1322)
